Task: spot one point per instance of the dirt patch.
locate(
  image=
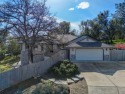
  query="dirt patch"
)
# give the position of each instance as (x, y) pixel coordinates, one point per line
(79, 88)
(21, 87)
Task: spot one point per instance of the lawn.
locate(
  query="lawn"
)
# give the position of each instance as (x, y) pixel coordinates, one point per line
(121, 41)
(7, 62)
(118, 41)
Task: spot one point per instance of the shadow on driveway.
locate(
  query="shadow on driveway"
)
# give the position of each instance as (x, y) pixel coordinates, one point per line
(105, 68)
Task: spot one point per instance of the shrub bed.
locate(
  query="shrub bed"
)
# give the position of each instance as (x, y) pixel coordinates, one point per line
(47, 87)
(64, 69)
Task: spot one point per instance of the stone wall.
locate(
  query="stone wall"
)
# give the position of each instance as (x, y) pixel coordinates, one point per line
(17, 75)
(24, 57)
(38, 56)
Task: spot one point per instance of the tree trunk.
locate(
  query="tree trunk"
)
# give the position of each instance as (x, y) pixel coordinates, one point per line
(111, 41)
(31, 55)
(111, 38)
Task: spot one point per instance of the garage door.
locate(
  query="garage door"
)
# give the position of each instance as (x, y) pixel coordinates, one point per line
(89, 54)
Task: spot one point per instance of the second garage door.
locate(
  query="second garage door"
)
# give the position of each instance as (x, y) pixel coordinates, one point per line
(89, 54)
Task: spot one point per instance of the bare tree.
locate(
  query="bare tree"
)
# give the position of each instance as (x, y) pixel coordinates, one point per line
(27, 19)
(3, 35)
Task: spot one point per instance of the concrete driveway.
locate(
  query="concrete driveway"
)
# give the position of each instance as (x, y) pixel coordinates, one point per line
(104, 78)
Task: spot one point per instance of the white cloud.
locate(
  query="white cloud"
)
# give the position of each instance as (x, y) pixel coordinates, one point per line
(71, 9)
(83, 5)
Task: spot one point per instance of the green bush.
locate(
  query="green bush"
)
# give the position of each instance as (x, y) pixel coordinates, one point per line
(48, 87)
(2, 52)
(64, 69)
(7, 57)
(1, 55)
(13, 48)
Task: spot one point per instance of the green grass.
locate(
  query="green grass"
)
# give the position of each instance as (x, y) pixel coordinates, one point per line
(121, 41)
(118, 41)
(7, 62)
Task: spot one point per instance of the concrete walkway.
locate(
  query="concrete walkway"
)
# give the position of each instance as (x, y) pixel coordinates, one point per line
(104, 78)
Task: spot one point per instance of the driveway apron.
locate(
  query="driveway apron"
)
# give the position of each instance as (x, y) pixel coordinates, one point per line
(104, 78)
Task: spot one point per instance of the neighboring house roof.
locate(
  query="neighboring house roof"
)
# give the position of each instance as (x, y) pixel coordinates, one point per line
(77, 43)
(120, 46)
(57, 39)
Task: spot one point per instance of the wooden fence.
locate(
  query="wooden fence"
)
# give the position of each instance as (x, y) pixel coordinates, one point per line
(117, 55)
(14, 76)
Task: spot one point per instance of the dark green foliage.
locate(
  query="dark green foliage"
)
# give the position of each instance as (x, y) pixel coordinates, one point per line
(101, 28)
(64, 69)
(91, 28)
(120, 16)
(106, 27)
(1, 55)
(47, 87)
(7, 57)
(3, 35)
(2, 51)
(62, 28)
(120, 12)
(73, 32)
(13, 48)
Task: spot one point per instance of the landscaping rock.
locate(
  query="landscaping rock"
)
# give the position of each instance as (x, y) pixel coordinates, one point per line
(35, 77)
(70, 81)
(61, 82)
(43, 81)
(52, 79)
(75, 79)
(79, 76)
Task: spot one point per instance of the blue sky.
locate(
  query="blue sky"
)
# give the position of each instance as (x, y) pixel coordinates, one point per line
(75, 11)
